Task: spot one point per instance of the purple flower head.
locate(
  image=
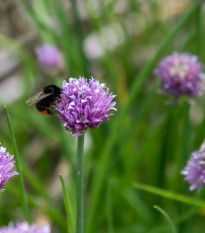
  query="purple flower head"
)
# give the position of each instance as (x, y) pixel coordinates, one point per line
(84, 104)
(180, 74)
(6, 165)
(194, 172)
(49, 57)
(25, 228)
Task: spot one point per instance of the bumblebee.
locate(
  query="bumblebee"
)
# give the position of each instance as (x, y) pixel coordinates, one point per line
(45, 98)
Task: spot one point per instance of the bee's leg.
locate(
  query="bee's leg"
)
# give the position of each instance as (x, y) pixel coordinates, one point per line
(59, 99)
(50, 112)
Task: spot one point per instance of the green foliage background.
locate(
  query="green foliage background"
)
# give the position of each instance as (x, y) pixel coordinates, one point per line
(133, 161)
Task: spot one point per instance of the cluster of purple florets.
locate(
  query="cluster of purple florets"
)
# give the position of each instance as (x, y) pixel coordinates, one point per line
(84, 104)
(180, 74)
(49, 57)
(6, 165)
(194, 172)
(25, 228)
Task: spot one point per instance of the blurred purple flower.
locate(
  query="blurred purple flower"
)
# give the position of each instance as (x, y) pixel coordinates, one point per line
(49, 57)
(180, 74)
(194, 172)
(25, 228)
(84, 104)
(6, 165)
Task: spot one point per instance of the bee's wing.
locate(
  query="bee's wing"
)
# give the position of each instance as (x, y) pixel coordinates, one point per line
(37, 97)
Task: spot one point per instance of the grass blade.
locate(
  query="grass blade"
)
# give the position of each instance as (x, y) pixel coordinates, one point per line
(170, 195)
(23, 195)
(68, 207)
(172, 226)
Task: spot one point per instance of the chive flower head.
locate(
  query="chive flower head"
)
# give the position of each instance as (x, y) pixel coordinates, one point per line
(194, 171)
(84, 104)
(49, 57)
(180, 74)
(25, 228)
(6, 165)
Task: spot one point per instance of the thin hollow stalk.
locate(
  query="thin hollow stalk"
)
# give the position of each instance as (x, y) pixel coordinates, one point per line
(23, 196)
(186, 136)
(165, 147)
(186, 143)
(80, 217)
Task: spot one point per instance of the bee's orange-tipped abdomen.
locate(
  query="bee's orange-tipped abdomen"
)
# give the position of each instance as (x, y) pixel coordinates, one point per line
(43, 112)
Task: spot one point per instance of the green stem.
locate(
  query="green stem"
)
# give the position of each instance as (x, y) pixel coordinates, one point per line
(186, 143)
(186, 136)
(165, 147)
(80, 218)
(23, 196)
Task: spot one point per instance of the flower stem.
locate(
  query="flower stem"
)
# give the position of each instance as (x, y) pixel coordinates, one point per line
(80, 218)
(186, 143)
(164, 153)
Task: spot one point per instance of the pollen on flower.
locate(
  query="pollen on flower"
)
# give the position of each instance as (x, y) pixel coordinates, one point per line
(179, 69)
(84, 104)
(6, 165)
(194, 172)
(180, 74)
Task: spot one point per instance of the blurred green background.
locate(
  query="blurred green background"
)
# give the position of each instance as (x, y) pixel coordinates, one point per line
(119, 43)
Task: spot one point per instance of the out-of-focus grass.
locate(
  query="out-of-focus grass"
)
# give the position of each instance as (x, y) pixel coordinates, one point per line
(119, 43)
